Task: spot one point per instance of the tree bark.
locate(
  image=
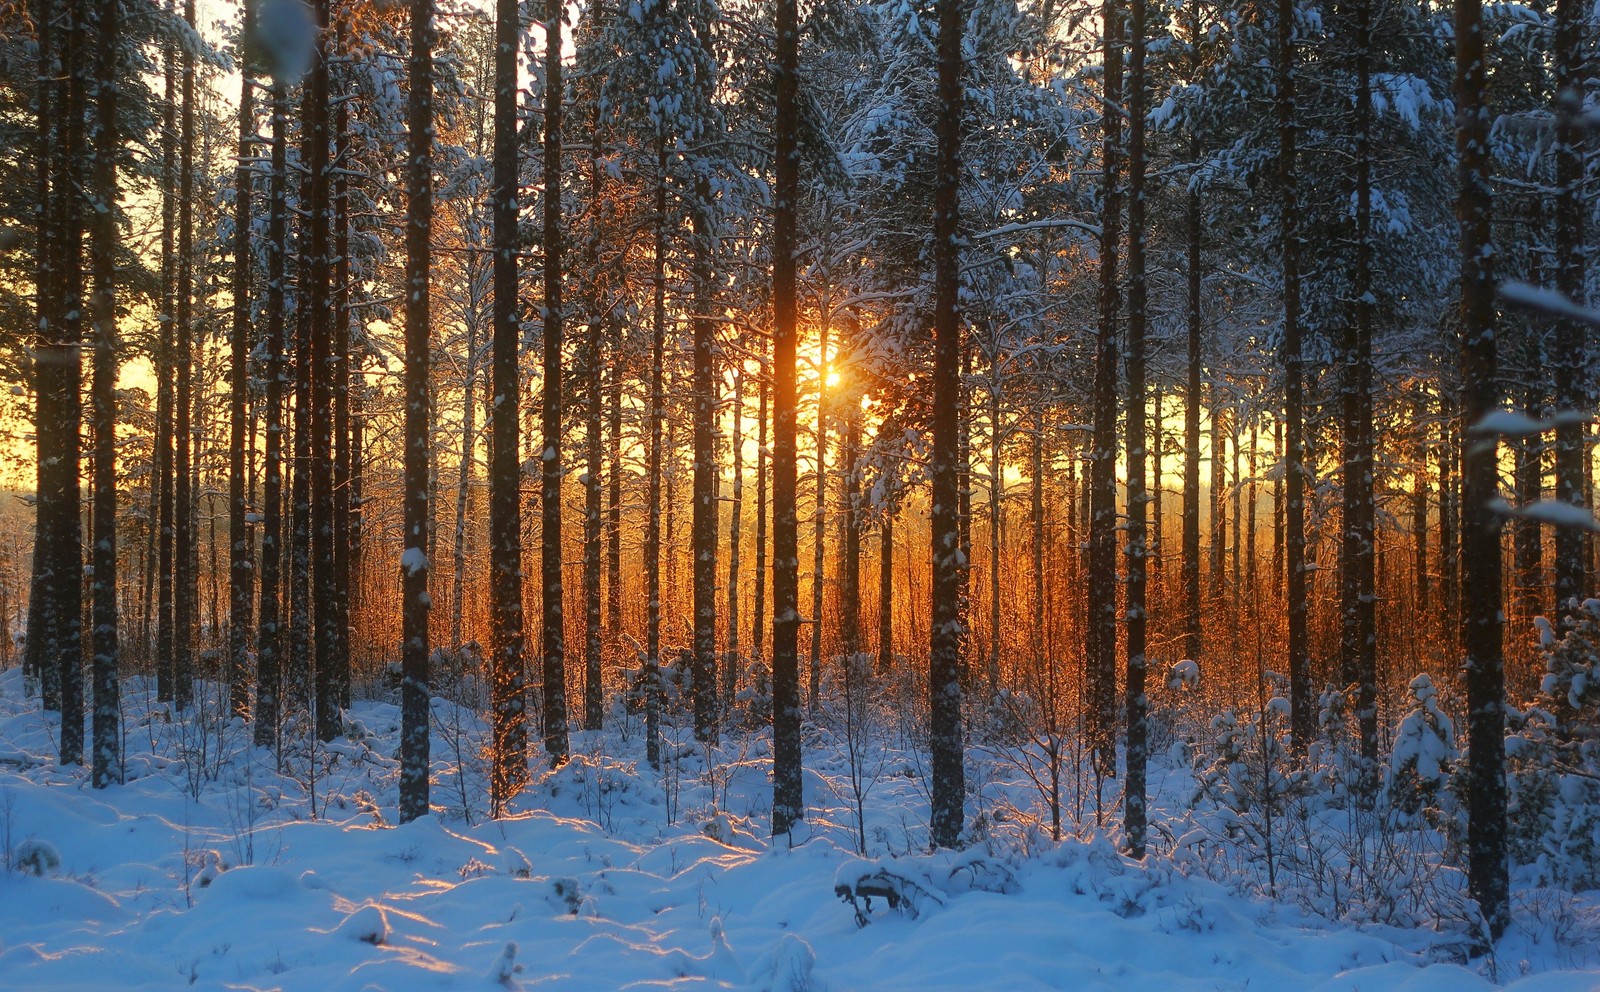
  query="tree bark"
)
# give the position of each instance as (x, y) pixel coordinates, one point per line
(1134, 817)
(1481, 621)
(414, 695)
(787, 792)
(944, 682)
(554, 626)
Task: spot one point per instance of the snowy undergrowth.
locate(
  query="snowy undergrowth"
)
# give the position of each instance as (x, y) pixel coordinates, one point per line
(217, 867)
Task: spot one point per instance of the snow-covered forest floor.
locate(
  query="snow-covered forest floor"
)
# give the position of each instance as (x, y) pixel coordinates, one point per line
(214, 868)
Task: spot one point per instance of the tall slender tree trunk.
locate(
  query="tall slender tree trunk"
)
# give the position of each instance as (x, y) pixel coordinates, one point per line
(886, 591)
(1481, 621)
(652, 537)
(703, 538)
(554, 626)
(945, 734)
(850, 545)
(1101, 675)
(730, 660)
(507, 677)
(414, 743)
(594, 415)
(996, 524)
(1358, 638)
(38, 652)
(1302, 716)
(185, 577)
(787, 790)
(1192, 607)
(65, 377)
(758, 612)
(819, 519)
(241, 536)
(107, 738)
(339, 370)
(269, 665)
(1134, 816)
(1571, 580)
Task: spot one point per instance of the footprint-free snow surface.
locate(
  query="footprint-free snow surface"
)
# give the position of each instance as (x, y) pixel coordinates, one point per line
(212, 868)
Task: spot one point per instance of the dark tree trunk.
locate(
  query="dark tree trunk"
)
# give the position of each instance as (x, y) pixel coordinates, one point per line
(1101, 674)
(788, 802)
(61, 371)
(414, 561)
(614, 481)
(1192, 611)
(594, 417)
(1302, 715)
(819, 519)
(269, 664)
(185, 578)
(507, 678)
(1357, 593)
(945, 734)
(36, 661)
(107, 737)
(316, 293)
(1134, 357)
(703, 528)
(165, 366)
(339, 370)
(886, 591)
(1571, 581)
(731, 661)
(1419, 508)
(1481, 621)
(850, 553)
(241, 536)
(758, 613)
(554, 626)
(652, 537)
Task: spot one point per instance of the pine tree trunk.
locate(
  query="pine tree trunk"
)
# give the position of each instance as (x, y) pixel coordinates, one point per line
(850, 552)
(339, 370)
(819, 520)
(507, 669)
(1481, 620)
(945, 734)
(787, 791)
(1571, 395)
(36, 668)
(554, 626)
(65, 378)
(185, 580)
(241, 536)
(1134, 824)
(1358, 640)
(269, 666)
(651, 686)
(165, 365)
(1192, 601)
(731, 662)
(1302, 716)
(107, 737)
(704, 525)
(594, 412)
(414, 694)
(1101, 674)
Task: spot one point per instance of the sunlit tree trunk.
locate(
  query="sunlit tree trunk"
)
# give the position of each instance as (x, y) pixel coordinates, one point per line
(241, 535)
(944, 682)
(1357, 594)
(508, 685)
(1481, 620)
(269, 642)
(554, 626)
(1134, 358)
(1101, 674)
(703, 529)
(1571, 395)
(414, 561)
(185, 577)
(787, 791)
(107, 738)
(1302, 717)
(651, 680)
(731, 661)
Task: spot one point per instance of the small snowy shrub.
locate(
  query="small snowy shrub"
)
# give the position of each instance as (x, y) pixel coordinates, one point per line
(35, 857)
(1424, 752)
(753, 702)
